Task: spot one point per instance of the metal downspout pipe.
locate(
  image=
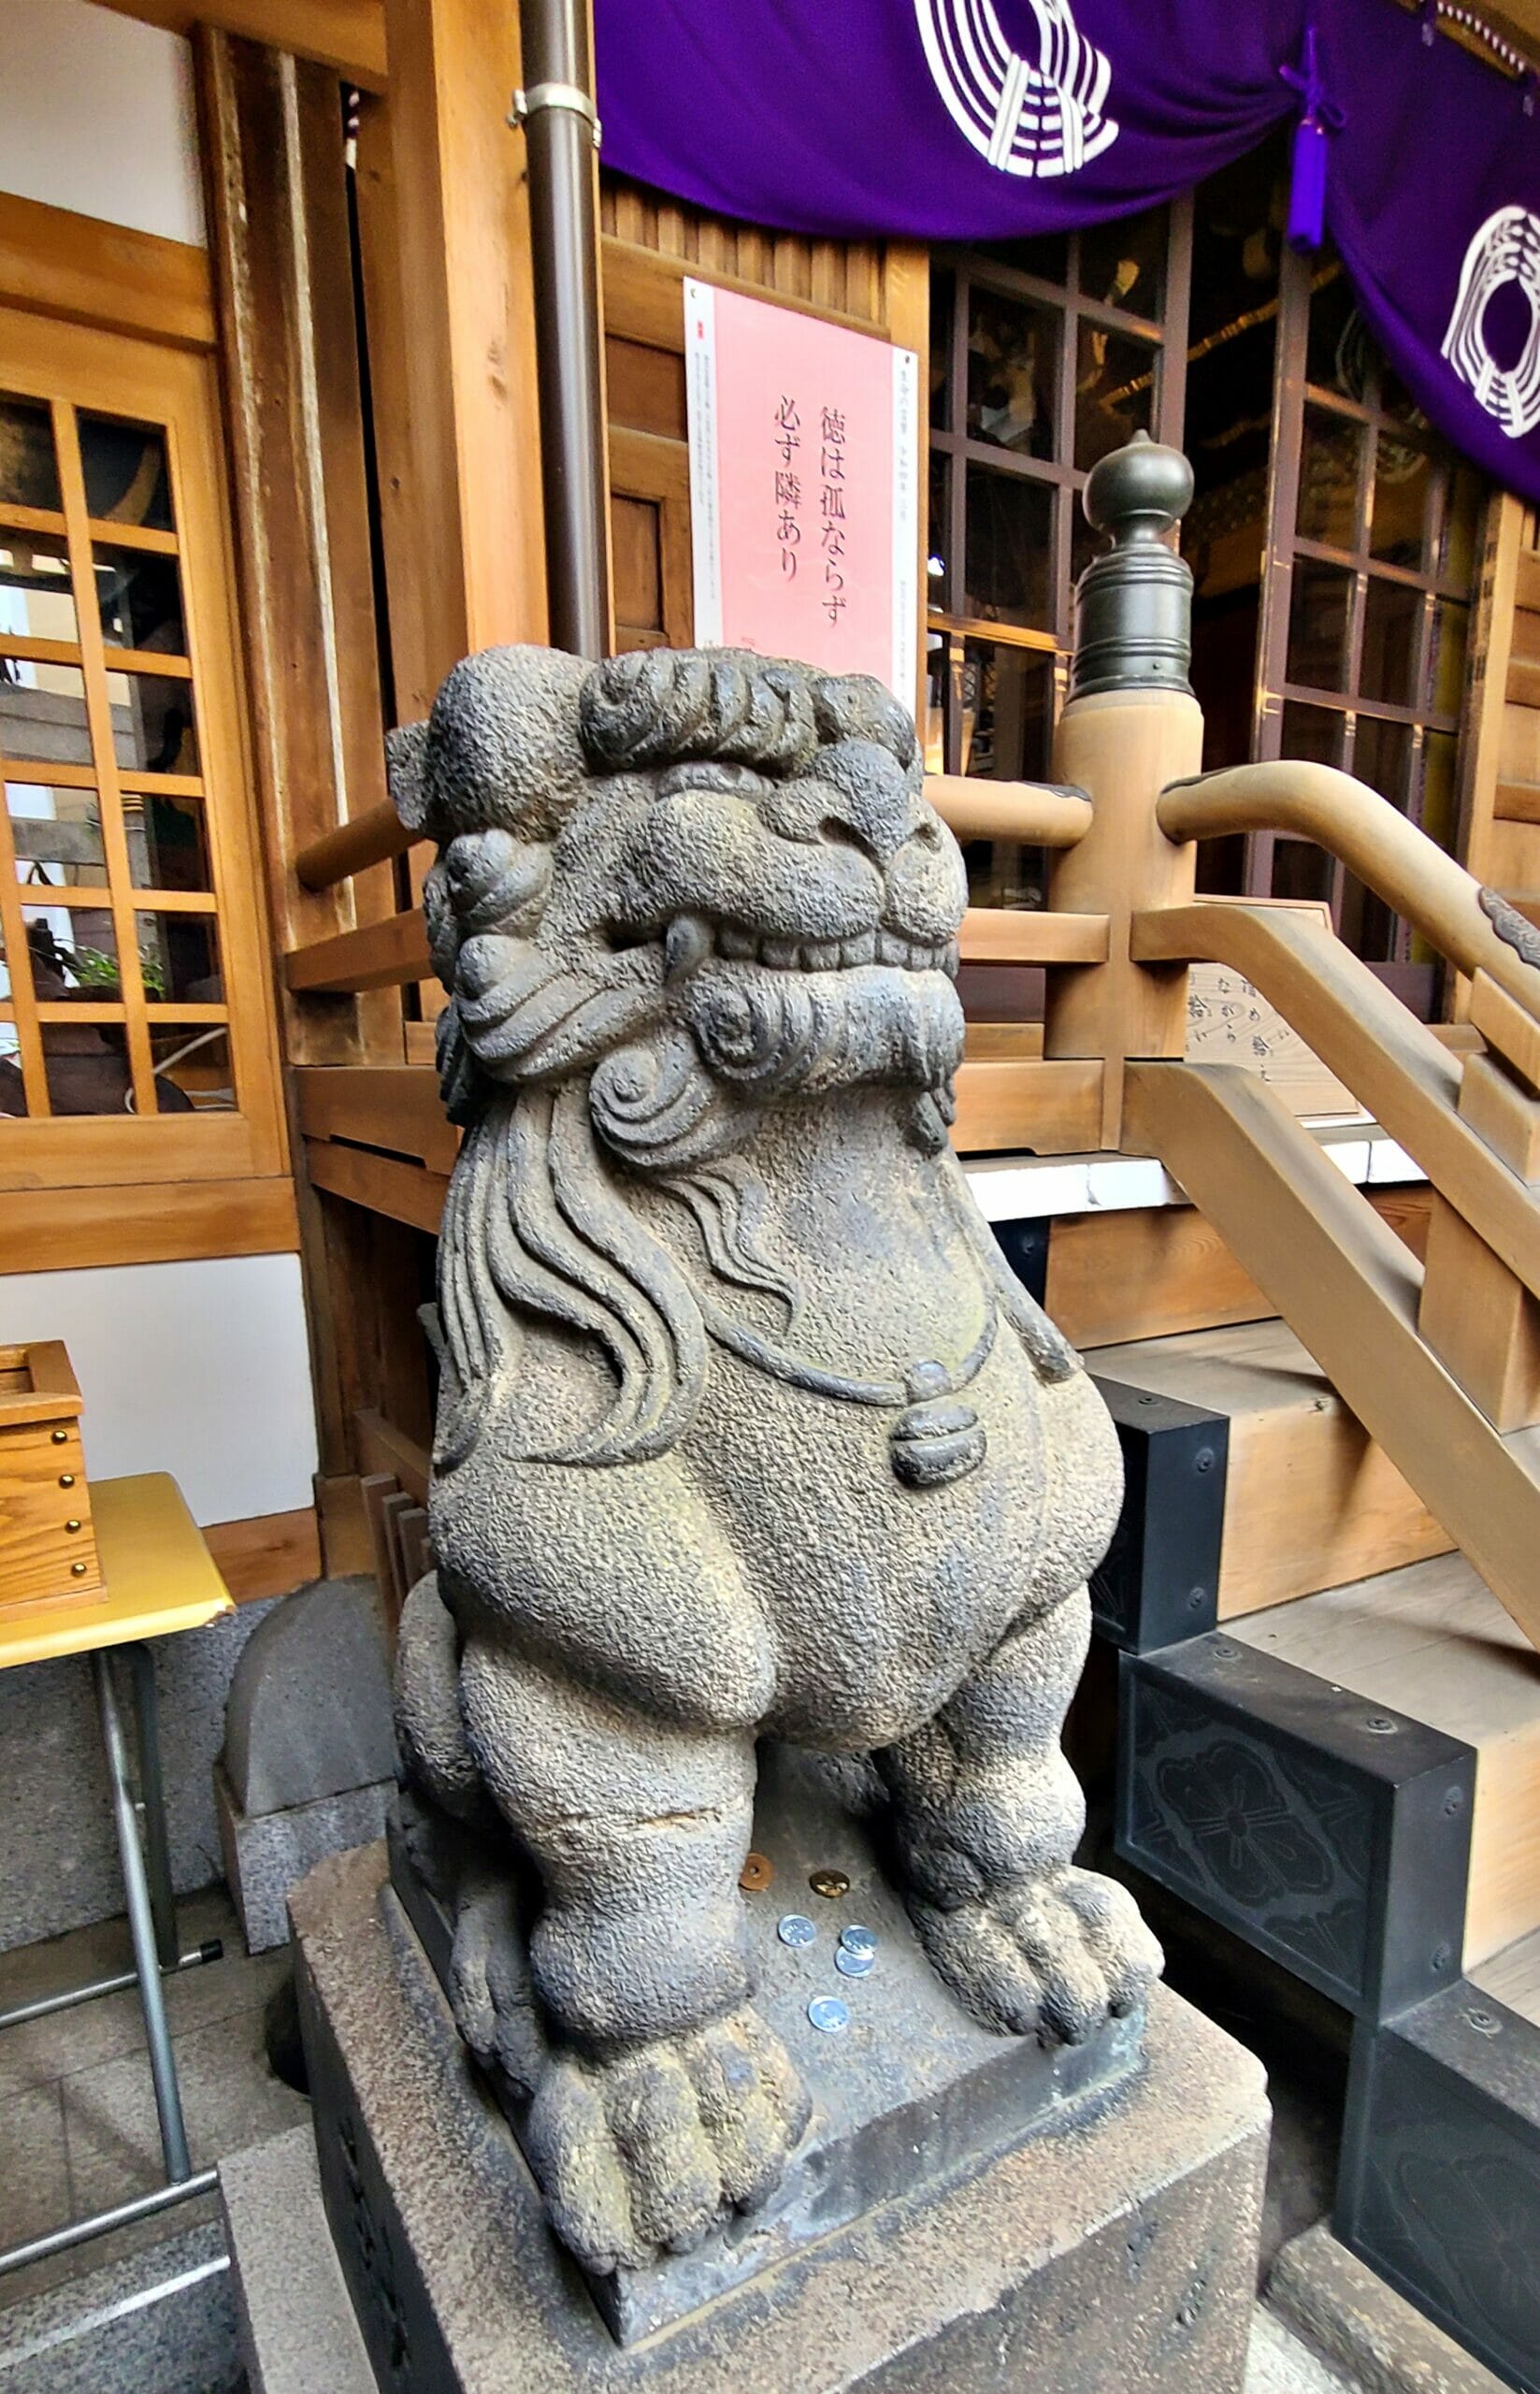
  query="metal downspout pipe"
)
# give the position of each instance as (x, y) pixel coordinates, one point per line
(555, 110)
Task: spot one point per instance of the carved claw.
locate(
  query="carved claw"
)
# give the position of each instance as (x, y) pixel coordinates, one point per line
(490, 1990)
(1046, 1959)
(644, 2154)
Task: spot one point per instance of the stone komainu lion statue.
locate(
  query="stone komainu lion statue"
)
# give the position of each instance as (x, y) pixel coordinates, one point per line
(744, 1426)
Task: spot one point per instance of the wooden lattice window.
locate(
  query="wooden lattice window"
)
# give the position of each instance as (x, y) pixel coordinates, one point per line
(1373, 554)
(1044, 354)
(136, 1036)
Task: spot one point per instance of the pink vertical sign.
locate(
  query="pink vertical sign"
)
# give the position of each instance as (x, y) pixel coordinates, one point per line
(804, 488)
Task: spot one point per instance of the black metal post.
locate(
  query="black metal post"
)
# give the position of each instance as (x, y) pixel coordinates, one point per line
(556, 108)
(1133, 603)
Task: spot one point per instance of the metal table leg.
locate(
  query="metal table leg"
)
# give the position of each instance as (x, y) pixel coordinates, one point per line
(141, 1923)
(152, 1926)
(163, 1901)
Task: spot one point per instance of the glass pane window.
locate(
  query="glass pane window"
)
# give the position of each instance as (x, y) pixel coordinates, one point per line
(152, 726)
(1115, 391)
(938, 580)
(1333, 340)
(1446, 664)
(37, 601)
(116, 964)
(167, 841)
(139, 594)
(1316, 735)
(1008, 699)
(1331, 461)
(1382, 757)
(1013, 373)
(1123, 264)
(43, 716)
(1318, 626)
(127, 477)
(56, 836)
(192, 1068)
(179, 959)
(1403, 483)
(1301, 871)
(1435, 796)
(1392, 626)
(72, 952)
(29, 470)
(943, 298)
(1009, 549)
(87, 1068)
(1457, 552)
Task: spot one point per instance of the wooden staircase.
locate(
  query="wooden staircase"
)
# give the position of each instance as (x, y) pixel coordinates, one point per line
(1340, 1764)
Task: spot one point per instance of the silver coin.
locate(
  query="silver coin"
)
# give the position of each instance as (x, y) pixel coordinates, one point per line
(854, 1966)
(795, 1928)
(827, 2012)
(859, 1941)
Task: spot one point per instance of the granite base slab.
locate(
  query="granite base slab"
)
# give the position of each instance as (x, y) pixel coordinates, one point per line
(267, 1853)
(910, 2094)
(298, 2332)
(1113, 2247)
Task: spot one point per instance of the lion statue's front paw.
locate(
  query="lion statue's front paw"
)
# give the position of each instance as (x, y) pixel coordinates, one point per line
(1050, 1958)
(643, 2153)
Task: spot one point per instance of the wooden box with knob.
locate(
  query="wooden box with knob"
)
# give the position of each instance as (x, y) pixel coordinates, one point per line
(47, 1547)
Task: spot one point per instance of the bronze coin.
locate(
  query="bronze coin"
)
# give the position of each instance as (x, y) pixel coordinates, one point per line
(758, 1871)
(830, 1882)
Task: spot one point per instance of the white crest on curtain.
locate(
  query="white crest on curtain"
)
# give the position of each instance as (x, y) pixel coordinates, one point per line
(1034, 116)
(1505, 249)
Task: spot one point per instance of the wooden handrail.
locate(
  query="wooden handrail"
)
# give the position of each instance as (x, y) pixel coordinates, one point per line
(1390, 1062)
(368, 839)
(1034, 813)
(1037, 813)
(388, 954)
(1352, 822)
(1349, 1291)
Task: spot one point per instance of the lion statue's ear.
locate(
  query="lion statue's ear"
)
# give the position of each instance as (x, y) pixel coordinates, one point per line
(503, 751)
(406, 752)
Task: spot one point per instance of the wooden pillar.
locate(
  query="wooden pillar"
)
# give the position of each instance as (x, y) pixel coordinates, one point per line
(1131, 724)
(456, 352)
(273, 154)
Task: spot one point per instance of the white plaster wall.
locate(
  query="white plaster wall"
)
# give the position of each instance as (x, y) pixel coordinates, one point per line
(200, 1369)
(97, 114)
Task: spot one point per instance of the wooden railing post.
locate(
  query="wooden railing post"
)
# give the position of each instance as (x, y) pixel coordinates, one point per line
(1478, 1316)
(1130, 726)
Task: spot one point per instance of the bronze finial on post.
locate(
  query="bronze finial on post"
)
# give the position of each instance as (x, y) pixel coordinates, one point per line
(1133, 603)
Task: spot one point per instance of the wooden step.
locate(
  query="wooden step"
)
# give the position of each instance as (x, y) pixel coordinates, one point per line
(1513, 1976)
(1309, 1501)
(1432, 1641)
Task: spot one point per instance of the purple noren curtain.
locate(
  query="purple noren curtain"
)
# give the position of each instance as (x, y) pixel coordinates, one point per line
(986, 120)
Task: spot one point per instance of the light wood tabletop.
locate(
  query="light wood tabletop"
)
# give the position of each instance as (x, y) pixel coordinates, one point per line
(159, 1578)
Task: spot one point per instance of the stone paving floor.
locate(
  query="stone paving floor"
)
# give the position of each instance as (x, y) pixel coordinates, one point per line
(77, 2128)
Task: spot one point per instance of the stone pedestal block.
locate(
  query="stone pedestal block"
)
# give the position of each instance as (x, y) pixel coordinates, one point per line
(1112, 2244)
(267, 1853)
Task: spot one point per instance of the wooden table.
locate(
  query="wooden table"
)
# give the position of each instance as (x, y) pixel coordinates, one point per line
(158, 1579)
